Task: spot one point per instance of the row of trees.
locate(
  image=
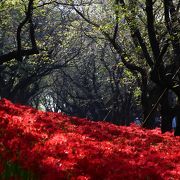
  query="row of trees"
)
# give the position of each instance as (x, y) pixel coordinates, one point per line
(110, 60)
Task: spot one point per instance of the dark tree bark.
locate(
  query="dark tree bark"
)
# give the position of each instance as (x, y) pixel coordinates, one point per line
(177, 114)
(166, 114)
(20, 52)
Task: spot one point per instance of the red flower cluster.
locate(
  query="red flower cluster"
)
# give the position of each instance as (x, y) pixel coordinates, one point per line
(55, 146)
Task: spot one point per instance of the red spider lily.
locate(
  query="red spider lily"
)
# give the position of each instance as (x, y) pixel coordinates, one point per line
(56, 146)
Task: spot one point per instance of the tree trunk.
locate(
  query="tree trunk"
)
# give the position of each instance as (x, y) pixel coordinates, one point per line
(166, 113)
(148, 104)
(177, 113)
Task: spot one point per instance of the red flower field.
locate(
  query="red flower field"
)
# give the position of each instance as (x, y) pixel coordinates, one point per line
(54, 146)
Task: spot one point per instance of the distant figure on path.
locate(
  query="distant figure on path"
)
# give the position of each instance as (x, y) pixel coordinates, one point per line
(174, 123)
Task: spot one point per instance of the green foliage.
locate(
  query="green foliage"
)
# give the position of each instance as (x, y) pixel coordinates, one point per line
(90, 51)
(13, 170)
(137, 95)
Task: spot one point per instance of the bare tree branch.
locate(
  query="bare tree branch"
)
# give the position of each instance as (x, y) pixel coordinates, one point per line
(19, 53)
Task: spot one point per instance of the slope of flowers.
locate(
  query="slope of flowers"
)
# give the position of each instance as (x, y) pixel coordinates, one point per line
(55, 146)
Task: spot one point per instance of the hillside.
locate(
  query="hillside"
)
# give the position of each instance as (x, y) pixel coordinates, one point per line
(47, 145)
